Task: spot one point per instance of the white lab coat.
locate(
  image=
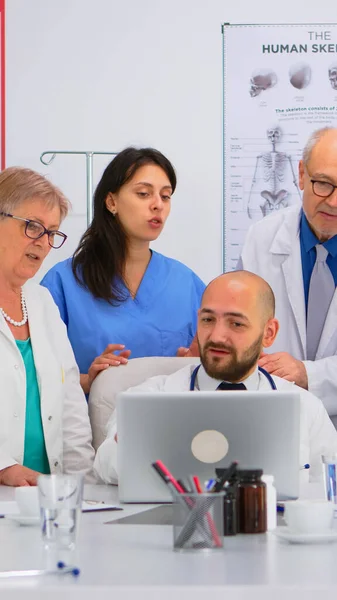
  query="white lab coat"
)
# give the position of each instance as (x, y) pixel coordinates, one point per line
(272, 250)
(64, 409)
(317, 434)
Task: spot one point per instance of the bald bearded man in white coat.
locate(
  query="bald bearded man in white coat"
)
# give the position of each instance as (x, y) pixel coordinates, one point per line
(236, 320)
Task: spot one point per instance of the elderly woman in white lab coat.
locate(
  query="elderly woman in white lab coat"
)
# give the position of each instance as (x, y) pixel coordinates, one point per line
(44, 424)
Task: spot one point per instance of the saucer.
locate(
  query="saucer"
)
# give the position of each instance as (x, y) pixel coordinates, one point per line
(293, 537)
(23, 520)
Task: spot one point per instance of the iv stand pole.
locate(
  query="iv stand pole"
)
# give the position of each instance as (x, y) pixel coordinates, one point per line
(89, 155)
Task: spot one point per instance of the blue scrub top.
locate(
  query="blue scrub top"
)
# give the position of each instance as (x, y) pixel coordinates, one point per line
(162, 317)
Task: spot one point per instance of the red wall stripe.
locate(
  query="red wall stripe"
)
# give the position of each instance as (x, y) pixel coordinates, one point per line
(3, 85)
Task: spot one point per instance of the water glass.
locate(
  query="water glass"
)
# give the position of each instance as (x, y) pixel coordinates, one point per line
(329, 477)
(60, 499)
(198, 521)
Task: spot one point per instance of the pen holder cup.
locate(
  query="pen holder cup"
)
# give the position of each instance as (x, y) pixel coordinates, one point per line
(330, 477)
(198, 522)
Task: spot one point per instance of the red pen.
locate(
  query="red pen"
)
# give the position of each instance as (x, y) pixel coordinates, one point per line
(169, 475)
(197, 484)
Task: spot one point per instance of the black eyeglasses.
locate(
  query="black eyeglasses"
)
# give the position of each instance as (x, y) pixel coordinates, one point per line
(36, 230)
(323, 189)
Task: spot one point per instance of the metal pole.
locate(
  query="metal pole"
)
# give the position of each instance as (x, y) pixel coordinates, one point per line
(90, 188)
(89, 171)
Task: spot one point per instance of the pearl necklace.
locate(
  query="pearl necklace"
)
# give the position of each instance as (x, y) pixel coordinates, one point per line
(24, 313)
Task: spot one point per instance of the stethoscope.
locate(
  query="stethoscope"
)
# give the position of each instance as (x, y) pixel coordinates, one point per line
(263, 371)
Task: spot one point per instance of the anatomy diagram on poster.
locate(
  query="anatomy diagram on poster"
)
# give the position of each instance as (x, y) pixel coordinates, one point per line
(280, 85)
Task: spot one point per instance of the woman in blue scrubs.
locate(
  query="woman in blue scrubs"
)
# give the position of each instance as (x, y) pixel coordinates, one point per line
(115, 294)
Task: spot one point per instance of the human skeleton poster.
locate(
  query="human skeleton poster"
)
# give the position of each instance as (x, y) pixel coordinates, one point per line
(280, 85)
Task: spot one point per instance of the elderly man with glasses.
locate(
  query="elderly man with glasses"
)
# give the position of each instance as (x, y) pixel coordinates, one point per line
(295, 250)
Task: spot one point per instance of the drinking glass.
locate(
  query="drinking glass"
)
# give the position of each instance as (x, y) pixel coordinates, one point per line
(60, 499)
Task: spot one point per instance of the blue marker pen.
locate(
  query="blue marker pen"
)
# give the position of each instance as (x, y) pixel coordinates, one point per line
(332, 482)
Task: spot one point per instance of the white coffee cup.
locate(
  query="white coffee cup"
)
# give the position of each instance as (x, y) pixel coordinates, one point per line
(27, 499)
(309, 516)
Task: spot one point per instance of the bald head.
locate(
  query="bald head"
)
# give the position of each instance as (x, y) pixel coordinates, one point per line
(327, 135)
(235, 322)
(237, 283)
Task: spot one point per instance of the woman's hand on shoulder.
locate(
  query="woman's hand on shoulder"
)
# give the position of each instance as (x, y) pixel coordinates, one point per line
(103, 361)
(193, 350)
(18, 476)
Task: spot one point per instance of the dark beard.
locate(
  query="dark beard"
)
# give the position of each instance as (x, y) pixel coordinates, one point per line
(235, 370)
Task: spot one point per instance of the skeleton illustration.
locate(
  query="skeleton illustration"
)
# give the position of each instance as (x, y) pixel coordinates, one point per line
(261, 80)
(272, 170)
(333, 76)
(300, 75)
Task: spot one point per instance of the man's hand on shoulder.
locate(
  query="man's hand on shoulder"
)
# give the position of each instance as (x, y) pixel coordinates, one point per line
(286, 366)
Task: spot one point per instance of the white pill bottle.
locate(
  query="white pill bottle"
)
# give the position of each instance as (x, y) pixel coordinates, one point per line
(271, 502)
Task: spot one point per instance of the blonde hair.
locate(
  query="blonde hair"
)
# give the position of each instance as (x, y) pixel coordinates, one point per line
(18, 184)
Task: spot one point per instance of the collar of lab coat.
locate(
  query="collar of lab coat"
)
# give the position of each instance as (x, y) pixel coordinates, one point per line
(205, 383)
(287, 243)
(37, 334)
(288, 231)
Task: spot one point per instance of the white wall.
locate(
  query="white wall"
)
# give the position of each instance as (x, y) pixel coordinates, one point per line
(103, 74)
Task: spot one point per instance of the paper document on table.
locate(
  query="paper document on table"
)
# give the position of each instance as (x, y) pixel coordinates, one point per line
(92, 505)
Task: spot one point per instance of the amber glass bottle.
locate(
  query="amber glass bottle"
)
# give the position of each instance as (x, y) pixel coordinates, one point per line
(251, 502)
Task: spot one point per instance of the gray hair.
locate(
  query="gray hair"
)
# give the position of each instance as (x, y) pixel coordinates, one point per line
(312, 141)
(18, 184)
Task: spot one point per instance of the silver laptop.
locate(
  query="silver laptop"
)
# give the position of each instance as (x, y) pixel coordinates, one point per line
(192, 433)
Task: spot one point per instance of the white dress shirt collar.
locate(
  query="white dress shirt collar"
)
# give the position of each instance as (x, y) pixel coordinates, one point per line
(205, 383)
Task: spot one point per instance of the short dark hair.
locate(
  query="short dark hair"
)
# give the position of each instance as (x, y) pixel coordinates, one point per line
(99, 259)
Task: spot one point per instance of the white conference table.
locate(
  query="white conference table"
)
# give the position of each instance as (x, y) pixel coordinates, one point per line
(127, 561)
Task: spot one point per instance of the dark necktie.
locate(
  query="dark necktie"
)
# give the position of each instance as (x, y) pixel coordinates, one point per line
(225, 385)
(321, 291)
